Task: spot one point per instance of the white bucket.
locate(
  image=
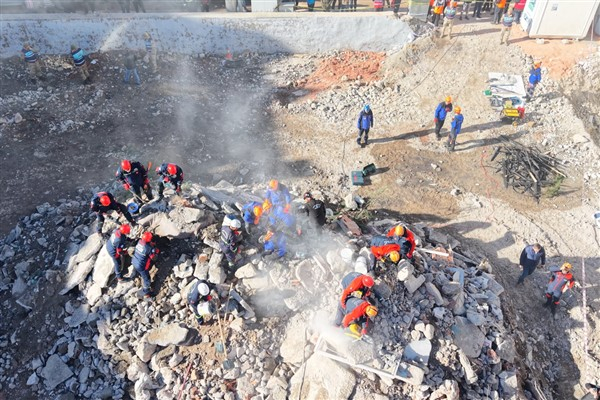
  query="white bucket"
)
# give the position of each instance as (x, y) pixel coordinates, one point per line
(347, 255)
(597, 218)
(361, 265)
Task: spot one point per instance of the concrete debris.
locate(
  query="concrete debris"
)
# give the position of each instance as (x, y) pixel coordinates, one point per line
(55, 372)
(321, 377)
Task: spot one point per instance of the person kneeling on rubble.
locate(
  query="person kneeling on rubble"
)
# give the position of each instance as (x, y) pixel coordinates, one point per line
(201, 301)
(385, 250)
(251, 214)
(405, 238)
(171, 176)
(356, 285)
(561, 280)
(231, 237)
(356, 318)
(315, 212)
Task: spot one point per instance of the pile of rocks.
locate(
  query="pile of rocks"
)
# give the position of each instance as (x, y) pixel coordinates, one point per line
(441, 321)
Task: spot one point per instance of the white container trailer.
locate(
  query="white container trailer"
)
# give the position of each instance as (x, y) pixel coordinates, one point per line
(569, 19)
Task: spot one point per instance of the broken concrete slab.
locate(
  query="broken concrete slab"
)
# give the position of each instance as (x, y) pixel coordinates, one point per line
(292, 346)
(412, 283)
(506, 349)
(467, 336)
(216, 274)
(321, 377)
(418, 351)
(167, 335)
(470, 375)
(103, 268)
(435, 293)
(245, 271)
(79, 316)
(55, 372)
(76, 273)
(90, 248)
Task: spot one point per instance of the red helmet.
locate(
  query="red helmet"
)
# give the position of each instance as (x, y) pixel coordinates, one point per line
(125, 229)
(126, 165)
(367, 281)
(147, 237)
(105, 200)
(172, 169)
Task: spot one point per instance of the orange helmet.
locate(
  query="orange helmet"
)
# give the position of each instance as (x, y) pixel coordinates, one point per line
(457, 109)
(448, 99)
(371, 311)
(367, 281)
(172, 169)
(399, 231)
(125, 229)
(105, 200)
(537, 64)
(126, 165)
(147, 237)
(257, 211)
(266, 206)
(273, 184)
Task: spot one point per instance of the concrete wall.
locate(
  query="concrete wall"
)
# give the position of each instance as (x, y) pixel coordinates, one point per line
(206, 33)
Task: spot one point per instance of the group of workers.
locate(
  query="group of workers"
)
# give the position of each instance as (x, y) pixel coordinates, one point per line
(79, 60)
(439, 118)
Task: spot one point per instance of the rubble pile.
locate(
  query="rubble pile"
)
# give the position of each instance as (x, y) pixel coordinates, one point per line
(440, 326)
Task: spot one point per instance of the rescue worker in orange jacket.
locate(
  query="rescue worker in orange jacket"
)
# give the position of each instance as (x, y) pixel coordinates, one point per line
(561, 280)
(357, 316)
(356, 285)
(385, 249)
(405, 238)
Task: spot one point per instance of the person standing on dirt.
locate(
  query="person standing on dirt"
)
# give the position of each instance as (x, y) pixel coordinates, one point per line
(143, 256)
(203, 291)
(115, 245)
(561, 280)
(535, 77)
(498, 11)
(103, 202)
(134, 178)
(440, 115)
(438, 10)
(170, 175)
(449, 16)
(364, 123)
(531, 257)
(455, 126)
(464, 11)
(32, 59)
(518, 10)
(507, 23)
(131, 69)
(151, 51)
(477, 9)
(80, 61)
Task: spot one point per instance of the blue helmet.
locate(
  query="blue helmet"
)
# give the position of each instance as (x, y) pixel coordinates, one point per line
(367, 108)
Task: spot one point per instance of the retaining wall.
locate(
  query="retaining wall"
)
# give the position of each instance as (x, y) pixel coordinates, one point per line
(206, 33)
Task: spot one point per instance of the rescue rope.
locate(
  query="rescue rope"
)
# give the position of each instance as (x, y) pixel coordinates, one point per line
(187, 374)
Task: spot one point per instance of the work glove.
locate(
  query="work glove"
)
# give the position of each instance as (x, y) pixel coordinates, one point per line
(126, 186)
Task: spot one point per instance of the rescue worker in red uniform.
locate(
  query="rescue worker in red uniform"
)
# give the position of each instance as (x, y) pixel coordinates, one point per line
(116, 245)
(170, 175)
(134, 178)
(356, 285)
(561, 280)
(103, 202)
(385, 249)
(145, 253)
(405, 238)
(357, 315)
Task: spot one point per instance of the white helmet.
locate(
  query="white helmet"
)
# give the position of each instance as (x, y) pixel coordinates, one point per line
(235, 224)
(203, 289)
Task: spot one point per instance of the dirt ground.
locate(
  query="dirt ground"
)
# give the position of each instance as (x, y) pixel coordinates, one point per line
(221, 124)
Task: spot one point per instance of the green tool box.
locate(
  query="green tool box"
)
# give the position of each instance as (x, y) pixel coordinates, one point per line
(358, 179)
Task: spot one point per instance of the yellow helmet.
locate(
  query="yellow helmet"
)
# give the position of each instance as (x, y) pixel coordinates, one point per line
(266, 206)
(399, 231)
(448, 99)
(273, 184)
(457, 109)
(258, 211)
(371, 311)
(146, 35)
(394, 256)
(566, 266)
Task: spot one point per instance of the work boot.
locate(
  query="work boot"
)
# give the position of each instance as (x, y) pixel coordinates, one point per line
(548, 301)
(358, 142)
(149, 295)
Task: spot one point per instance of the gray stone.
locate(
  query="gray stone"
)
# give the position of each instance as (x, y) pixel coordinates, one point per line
(470, 375)
(451, 288)
(349, 202)
(184, 270)
(145, 350)
(136, 368)
(435, 293)
(79, 316)
(33, 379)
(475, 318)
(411, 374)
(405, 270)
(162, 225)
(93, 294)
(19, 287)
(449, 390)
(506, 349)
(412, 283)
(467, 336)
(439, 312)
(23, 268)
(292, 346)
(245, 271)
(168, 334)
(322, 378)
(90, 248)
(175, 360)
(509, 383)
(429, 331)
(215, 272)
(7, 253)
(438, 237)
(76, 273)
(84, 374)
(418, 351)
(55, 372)
(459, 304)
(493, 285)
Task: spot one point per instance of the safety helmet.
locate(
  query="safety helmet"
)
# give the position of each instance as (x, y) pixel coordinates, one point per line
(126, 165)
(448, 99)
(235, 224)
(566, 266)
(457, 109)
(146, 35)
(257, 210)
(367, 281)
(26, 45)
(454, 4)
(266, 206)
(73, 47)
(537, 64)
(399, 231)
(172, 169)
(371, 311)
(273, 184)
(203, 289)
(367, 108)
(307, 195)
(125, 229)
(147, 237)
(105, 200)
(394, 256)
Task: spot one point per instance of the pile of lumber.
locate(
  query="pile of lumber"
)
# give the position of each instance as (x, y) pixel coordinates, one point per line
(526, 169)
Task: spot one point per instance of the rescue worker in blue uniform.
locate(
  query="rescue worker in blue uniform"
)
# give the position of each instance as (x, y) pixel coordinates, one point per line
(278, 196)
(145, 253)
(364, 123)
(280, 225)
(251, 214)
(134, 178)
(439, 117)
(116, 245)
(170, 175)
(103, 202)
(32, 59)
(201, 292)
(535, 77)
(80, 62)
